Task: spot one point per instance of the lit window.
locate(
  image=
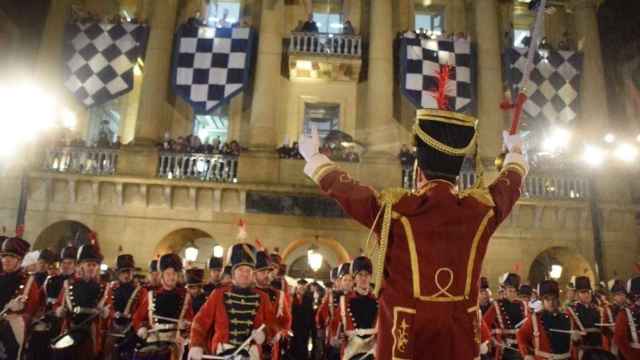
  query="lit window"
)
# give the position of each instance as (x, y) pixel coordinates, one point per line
(519, 35)
(430, 21)
(223, 13)
(324, 116)
(212, 126)
(104, 123)
(328, 15)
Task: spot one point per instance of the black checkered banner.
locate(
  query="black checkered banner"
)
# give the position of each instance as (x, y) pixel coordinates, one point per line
(211, 65)
(554, 84)
(421, 64)
(99, 59)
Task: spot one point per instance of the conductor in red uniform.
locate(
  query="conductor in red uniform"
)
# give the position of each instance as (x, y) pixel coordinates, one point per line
(431, 242)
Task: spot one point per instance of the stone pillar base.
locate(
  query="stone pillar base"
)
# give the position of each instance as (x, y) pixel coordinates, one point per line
(138, 160)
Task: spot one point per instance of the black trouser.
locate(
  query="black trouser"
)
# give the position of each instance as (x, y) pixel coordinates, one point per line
(8, 341)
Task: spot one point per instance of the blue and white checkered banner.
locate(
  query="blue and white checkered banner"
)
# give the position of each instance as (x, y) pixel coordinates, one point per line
(99, 59)
(554, 86)
(211, 65)
(421, 61)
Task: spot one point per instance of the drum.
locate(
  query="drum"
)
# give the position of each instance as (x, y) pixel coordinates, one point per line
(71, 338)
(155, 351)
(597, 354)
(242, 355)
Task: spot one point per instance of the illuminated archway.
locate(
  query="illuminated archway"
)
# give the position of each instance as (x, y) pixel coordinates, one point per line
(178, 240)
(62, 233)
(572, 263)
(324, 244)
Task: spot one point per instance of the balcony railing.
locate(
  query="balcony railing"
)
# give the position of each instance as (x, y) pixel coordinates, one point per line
(81, 160)
(203, 167)
(326, 44)
(536, 186)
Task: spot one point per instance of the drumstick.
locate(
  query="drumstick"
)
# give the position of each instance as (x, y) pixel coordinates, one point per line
(567, 331)
(158, 317)
(605, 324)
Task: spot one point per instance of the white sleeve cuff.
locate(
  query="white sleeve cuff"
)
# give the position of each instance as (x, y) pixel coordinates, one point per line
(518, 161)
(316, 162)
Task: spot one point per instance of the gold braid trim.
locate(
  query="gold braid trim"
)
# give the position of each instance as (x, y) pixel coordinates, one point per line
(451, 151)
(322, 171)
(386, 199)
(515, 167)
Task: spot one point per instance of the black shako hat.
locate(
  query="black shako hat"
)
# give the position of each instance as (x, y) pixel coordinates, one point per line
(170, 260)
(582, 283)
(242, 254)
(194, 276)
(361, 263)
(215, 263)
(263, 261)
(510, 279)
(443, 139)
(125, 262)
(344, 269)
(549, 288)
(47, 256)
(69, 252)
(89, 252)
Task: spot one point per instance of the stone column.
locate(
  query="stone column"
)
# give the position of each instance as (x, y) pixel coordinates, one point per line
(489, 89)
(380, 130)
(154, 115)
(266, 93)
(455, 17)
(593, 93)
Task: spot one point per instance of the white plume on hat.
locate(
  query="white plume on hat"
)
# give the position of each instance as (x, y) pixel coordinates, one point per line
(31, 258)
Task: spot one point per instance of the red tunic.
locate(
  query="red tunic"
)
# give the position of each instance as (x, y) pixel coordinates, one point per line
(213, 316)
(20, 284)
(279, 320)
(437, 241)
(357, 315)
(592, 320)
(533, 338)
(627, 333)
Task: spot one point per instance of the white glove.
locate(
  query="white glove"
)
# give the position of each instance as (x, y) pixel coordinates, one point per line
(484, 348)
(529, 357)
(16, 305)
(258, 336)
(143, 333)
(309, 146)
(576, 336)
(513, 143)
(195, 353)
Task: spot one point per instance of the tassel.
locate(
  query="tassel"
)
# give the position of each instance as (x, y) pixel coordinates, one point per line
(443, 75)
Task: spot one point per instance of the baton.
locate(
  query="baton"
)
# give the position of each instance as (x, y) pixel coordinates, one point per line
(173, 320)
(240, 348)
(605, 324)
(571, 332)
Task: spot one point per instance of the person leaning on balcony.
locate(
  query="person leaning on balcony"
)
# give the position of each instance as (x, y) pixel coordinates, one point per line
(430, 244)
(347, 28)
(310, 26)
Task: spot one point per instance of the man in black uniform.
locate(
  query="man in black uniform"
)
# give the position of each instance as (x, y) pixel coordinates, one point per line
(46, 266)
(358, 313)
(123, 297)
(302, 320)
(215, 270)
(505, 317)
(81, 305)
(194, 278)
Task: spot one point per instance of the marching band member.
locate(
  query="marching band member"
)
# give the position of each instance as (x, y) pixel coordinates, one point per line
(484, 295)
(41, 326)
(627, 331)
(280, 307)
(358, 313)
(123, 297)
(234, 313)
(163, 313)
(215, 270)
(81, 305)
(154, 276)
(19, 298)
(546, 334)
(505, 317)
(325, 312)
(198, 295)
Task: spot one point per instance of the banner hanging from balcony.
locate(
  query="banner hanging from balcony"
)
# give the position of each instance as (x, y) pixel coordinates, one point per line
(424, 61)
(99, 59)
(211, 65)
(554, 84)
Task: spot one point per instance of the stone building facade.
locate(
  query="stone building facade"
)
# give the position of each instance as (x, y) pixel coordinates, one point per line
(133, 209)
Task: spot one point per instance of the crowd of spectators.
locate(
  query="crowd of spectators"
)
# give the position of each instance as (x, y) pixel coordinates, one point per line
(310, 26)
(193, 144)
(333, 152)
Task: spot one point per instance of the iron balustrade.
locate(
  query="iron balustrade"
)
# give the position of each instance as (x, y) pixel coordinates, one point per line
(81, 160)
(194, 166)
(326, 44)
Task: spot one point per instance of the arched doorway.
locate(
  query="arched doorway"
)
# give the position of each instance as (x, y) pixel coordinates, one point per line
(300, 268)
(62, 233)
(571, 263)
(177, 242)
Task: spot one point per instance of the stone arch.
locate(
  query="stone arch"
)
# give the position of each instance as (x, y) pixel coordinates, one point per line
(572, 262)
(62, 233)
(329, 247)
(178, 240)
